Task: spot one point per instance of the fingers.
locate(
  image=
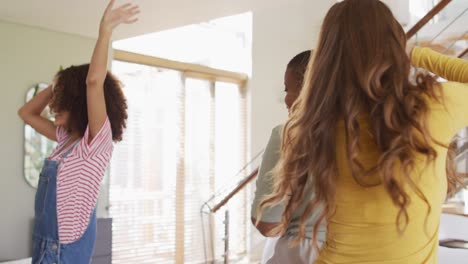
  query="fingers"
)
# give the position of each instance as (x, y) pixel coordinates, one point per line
(134, 8)
(125, 6)
(131, 16)
(125, 13)
(109, 6)
(131, 21)
(129, 10)
(134, 11)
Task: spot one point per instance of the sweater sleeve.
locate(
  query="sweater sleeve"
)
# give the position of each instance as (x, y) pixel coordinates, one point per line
(449, 68)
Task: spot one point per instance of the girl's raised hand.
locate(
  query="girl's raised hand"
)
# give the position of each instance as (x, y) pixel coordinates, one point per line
(113, 17)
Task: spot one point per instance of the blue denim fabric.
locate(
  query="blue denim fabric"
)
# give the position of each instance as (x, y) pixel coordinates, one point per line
(47, 248)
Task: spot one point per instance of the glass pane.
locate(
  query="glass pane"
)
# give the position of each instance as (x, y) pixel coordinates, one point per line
(447, 32)
(199, 159)
(143, 170)
(147, 171)
(419, 8)
(223, 43)
(230, 160)
(461, 163)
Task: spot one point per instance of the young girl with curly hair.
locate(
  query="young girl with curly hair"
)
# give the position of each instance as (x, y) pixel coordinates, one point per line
(90, 114)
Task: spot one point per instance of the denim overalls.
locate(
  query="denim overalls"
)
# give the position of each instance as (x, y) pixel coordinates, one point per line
(47, 248)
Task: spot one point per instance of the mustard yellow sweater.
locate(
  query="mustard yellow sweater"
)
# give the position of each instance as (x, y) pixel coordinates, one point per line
(363, 230)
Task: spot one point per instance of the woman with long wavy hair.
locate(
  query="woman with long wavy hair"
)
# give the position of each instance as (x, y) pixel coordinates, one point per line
(371, 142)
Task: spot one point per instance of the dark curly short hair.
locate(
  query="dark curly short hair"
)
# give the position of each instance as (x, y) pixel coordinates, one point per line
(70, 95)
(299, 63)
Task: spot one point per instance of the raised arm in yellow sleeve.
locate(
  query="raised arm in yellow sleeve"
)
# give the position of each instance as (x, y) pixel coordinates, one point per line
(455, 91)
(449, 68)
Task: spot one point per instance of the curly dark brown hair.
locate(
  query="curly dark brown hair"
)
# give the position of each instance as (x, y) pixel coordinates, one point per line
(70, 95)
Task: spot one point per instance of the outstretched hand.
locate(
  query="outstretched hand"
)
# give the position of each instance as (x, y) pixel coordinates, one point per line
(113, 17)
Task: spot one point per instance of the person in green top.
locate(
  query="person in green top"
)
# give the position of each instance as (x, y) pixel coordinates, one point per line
(277, 249)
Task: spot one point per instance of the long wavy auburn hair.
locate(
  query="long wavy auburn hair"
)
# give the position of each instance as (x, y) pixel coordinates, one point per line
(360, 69)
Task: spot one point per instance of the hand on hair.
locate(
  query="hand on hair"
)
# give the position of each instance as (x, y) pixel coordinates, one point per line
(113, 17)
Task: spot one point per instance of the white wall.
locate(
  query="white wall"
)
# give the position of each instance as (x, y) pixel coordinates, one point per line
(28, 56)
(401, 10)
(279, 33)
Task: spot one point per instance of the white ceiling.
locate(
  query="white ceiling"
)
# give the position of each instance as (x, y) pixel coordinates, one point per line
(82, 17)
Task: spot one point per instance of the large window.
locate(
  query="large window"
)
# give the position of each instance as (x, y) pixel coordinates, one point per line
(185, 137)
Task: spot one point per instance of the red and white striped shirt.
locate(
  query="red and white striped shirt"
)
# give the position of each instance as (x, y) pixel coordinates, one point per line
(79, 178)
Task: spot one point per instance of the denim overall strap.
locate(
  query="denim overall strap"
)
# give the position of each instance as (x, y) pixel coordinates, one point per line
(45, 205)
